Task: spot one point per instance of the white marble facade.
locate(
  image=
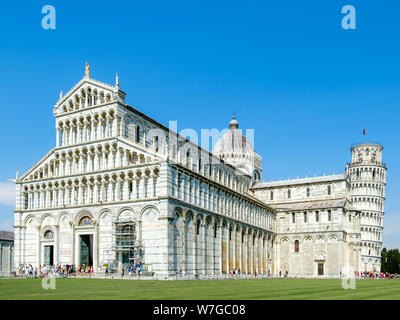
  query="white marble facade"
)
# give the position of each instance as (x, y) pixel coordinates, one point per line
(193, 211)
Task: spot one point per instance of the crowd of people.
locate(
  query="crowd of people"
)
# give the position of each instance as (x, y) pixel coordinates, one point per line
(377, 275)
(133, 270)
(28, 271)
(234, 273)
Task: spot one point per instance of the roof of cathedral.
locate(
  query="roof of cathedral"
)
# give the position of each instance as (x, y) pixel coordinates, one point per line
(6, 235)
(312, 205)
(290, 182)
(233, 141)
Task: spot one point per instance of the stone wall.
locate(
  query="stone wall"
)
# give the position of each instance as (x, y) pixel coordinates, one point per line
(6, 257)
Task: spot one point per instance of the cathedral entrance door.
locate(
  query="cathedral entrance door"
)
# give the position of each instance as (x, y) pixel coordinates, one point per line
(86, 250)
(48, 255)
(320, 269)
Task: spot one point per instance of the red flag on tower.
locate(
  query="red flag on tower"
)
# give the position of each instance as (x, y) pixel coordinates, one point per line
(364, 132)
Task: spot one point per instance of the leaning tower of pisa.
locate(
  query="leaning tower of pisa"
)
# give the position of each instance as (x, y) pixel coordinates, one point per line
(367, 175)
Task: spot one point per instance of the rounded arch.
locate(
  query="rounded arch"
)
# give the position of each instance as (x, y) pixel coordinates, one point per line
(61, 218)
(332, 239)
(126, 213)
(320, 256)
(105, 217)
(208, 220)
(81, 215)
(30, 218)
(47, 215)
(200, 216)
(177, 215)
(189, 216)
(150, 230)
(284, 240)
(256, 175)
(177, 211)
(147, 208)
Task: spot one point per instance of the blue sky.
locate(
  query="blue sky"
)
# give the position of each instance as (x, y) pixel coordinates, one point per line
(286, 68)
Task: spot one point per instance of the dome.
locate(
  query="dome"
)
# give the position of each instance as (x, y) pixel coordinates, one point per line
(234, 148)
(233, 142)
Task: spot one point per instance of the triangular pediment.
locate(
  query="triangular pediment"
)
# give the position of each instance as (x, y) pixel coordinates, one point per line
(86, 93)
(43, 162)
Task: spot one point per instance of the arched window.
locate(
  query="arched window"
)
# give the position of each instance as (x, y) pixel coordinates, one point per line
(137, 134)
(296, 246)
(156, 143)
(308, 192)
(187, 157)
(256, 176)
(48, 234)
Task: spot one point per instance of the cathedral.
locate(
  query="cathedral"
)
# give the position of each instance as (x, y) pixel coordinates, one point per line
(120, 189)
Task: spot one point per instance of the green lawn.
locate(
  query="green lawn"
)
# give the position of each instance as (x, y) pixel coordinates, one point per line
(201, 289)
